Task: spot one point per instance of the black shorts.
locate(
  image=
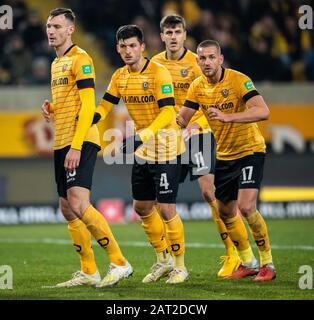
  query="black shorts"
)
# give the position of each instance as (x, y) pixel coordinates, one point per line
(151, 181)
(82, 176)
(199, 158)
(243, 173)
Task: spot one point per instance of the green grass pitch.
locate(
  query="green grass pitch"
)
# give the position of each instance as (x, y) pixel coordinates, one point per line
(42, 255)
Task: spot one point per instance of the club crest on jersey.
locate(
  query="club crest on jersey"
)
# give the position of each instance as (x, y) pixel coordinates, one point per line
(225, 93)
(145, 85)
(184, 72)
(64, 67)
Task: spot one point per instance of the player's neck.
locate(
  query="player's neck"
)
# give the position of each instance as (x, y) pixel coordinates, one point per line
(137, 66)
(62, 49)
(216, 78)
(171, 55)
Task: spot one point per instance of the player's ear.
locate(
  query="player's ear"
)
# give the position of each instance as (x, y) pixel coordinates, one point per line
(143, 46)
(221, 59)
(117, 48)
(162, 36)
(184, 35)
(71, 29)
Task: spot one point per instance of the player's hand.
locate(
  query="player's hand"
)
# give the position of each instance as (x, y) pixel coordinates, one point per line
(215, 114)
(180, 121)
(72, 159)
(45, 110)
(190, 130)
(130, 144)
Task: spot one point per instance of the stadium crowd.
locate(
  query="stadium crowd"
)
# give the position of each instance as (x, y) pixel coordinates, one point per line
(259, 38)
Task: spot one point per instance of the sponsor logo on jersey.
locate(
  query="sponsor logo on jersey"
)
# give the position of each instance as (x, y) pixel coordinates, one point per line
(248, 85)
(181, 85)
(166, 88)
(59, 81)
(138, 99)
(221, 107)
(87, 69)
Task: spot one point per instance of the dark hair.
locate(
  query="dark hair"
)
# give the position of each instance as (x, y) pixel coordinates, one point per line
(68, 13)
(129, 31)
(209, 43)
(171, 20)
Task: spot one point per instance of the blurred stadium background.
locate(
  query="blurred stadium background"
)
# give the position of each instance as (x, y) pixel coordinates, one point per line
(260, 38)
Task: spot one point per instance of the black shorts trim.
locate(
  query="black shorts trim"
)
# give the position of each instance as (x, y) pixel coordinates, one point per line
(243, 173)
(81, 176)
(199, 158)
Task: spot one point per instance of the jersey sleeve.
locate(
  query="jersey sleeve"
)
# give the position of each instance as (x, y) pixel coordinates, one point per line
(84, 73)
(246, 88)
(164, 88)
(112, 94)
(190, 99)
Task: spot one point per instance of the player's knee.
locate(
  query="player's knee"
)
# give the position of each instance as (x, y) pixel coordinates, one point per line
(66, 210)
(76, 205)
(246, 209)
(142, 209)
(167, 211)
(208, 195)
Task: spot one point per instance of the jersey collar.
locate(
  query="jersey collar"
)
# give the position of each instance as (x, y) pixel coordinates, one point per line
(222, 74)
(68, 50)
(182, 55)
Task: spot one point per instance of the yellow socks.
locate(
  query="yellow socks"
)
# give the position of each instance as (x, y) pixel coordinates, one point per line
(259, 233)
(237, 232)
(155, 230)
(81, 239)
(230, 249)
(163, 257)
(99, 228)
(175, 236)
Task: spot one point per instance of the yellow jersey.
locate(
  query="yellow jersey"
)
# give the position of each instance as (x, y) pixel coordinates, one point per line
(70, 73)
(144, 94)
(229, 95)
(183, 71)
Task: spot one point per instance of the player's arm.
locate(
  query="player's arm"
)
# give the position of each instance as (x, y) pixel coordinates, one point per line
(110, 98)
(84, 76)
(165, 99)
(256, 108)
(105, 106)
(189, 108)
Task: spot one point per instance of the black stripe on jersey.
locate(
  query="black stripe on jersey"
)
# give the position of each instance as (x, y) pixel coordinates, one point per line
(222, 73)
(110, 98)
(85, 83)
(67, 50)
(190, 104)
(250, 95)
(183, 54)
(166, 102)
(145, 66)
